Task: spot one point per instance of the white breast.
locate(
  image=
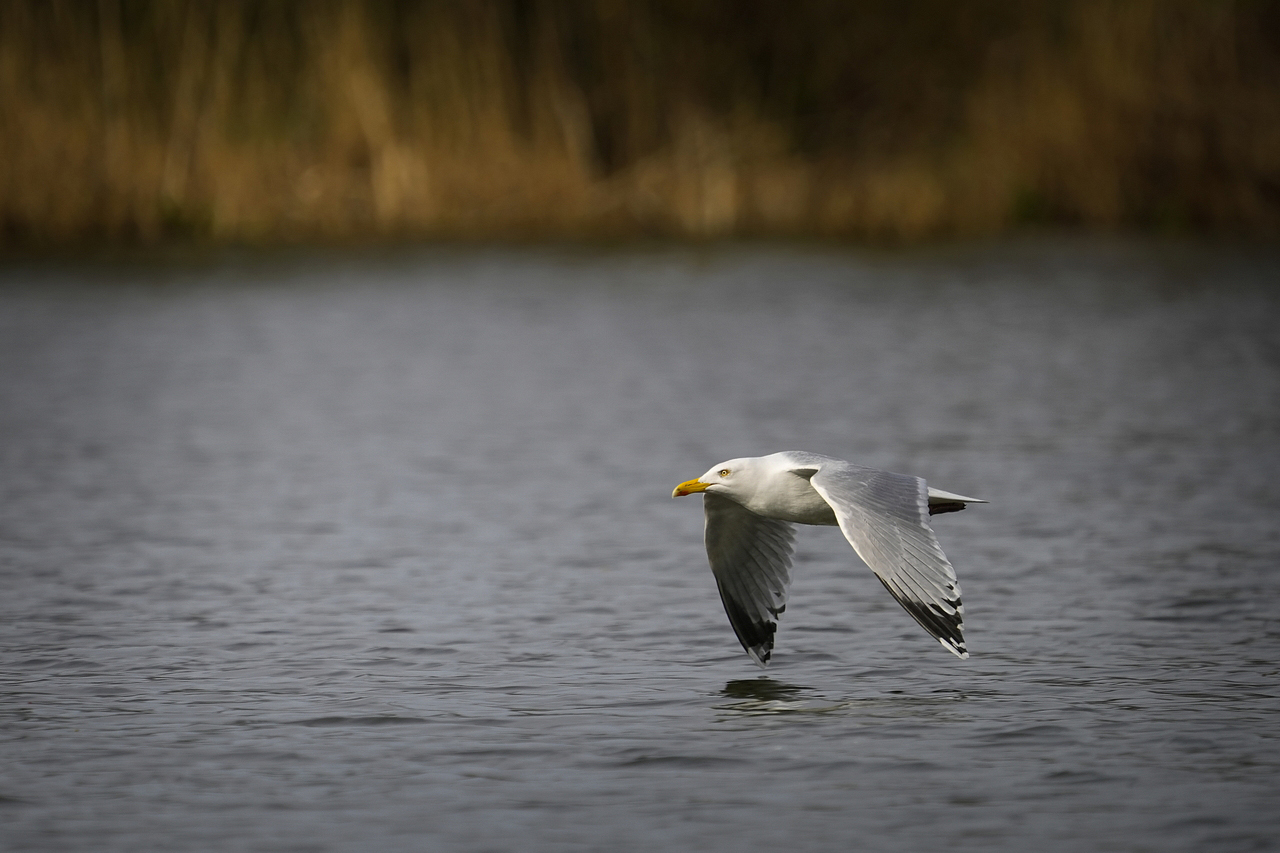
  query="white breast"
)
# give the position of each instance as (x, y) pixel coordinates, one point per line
(790, 497)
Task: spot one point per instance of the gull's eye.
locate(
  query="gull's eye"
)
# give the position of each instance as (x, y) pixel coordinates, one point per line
(725, 472)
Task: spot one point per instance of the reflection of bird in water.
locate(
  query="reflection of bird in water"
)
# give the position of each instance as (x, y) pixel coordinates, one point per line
(750, 504)
(761, 689)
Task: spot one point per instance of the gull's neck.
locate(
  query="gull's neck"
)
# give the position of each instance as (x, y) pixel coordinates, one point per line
(782, 493)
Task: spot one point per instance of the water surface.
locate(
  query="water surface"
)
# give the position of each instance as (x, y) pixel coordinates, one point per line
(377, 553)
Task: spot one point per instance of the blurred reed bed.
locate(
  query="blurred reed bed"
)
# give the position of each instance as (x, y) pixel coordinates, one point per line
(282, 120)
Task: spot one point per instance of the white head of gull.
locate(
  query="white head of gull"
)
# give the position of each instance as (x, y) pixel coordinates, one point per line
(751, 503)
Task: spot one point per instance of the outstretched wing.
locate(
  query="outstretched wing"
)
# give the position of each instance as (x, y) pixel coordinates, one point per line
(886, 518)
(750, 556)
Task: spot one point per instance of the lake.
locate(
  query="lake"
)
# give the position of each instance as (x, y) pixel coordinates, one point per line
(376, 550)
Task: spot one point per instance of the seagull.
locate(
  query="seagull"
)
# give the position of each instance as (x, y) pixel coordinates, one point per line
(751, 503)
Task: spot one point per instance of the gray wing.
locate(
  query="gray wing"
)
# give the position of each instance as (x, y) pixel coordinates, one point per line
(886, 518)
(750, 556)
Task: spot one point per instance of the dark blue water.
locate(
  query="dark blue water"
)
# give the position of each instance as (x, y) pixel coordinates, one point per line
(377, 553)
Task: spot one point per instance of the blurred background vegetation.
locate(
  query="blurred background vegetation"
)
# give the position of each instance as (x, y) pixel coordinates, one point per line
(887, 120)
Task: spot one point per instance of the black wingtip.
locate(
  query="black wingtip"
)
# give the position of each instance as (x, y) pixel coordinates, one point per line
(756, 636)
(946, 628)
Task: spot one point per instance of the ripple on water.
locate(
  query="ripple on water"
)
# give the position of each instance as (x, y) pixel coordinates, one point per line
(371, 554)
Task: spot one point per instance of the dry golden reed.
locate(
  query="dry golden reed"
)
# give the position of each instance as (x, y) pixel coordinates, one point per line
(282, 120)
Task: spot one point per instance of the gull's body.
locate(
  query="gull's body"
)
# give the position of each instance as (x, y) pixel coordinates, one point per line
(751, 504)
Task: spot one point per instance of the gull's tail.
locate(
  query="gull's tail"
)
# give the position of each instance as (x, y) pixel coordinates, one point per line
(940, 501)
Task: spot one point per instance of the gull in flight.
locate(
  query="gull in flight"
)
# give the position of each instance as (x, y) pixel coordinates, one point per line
(750, 505)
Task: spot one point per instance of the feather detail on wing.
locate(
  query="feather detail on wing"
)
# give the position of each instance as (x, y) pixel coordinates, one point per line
(886, 518)
(750, 557)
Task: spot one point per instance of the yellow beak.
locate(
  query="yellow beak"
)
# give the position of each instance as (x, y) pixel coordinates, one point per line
(689, 487)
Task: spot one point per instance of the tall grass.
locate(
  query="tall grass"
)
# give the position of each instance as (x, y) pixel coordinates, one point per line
(268, 120)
